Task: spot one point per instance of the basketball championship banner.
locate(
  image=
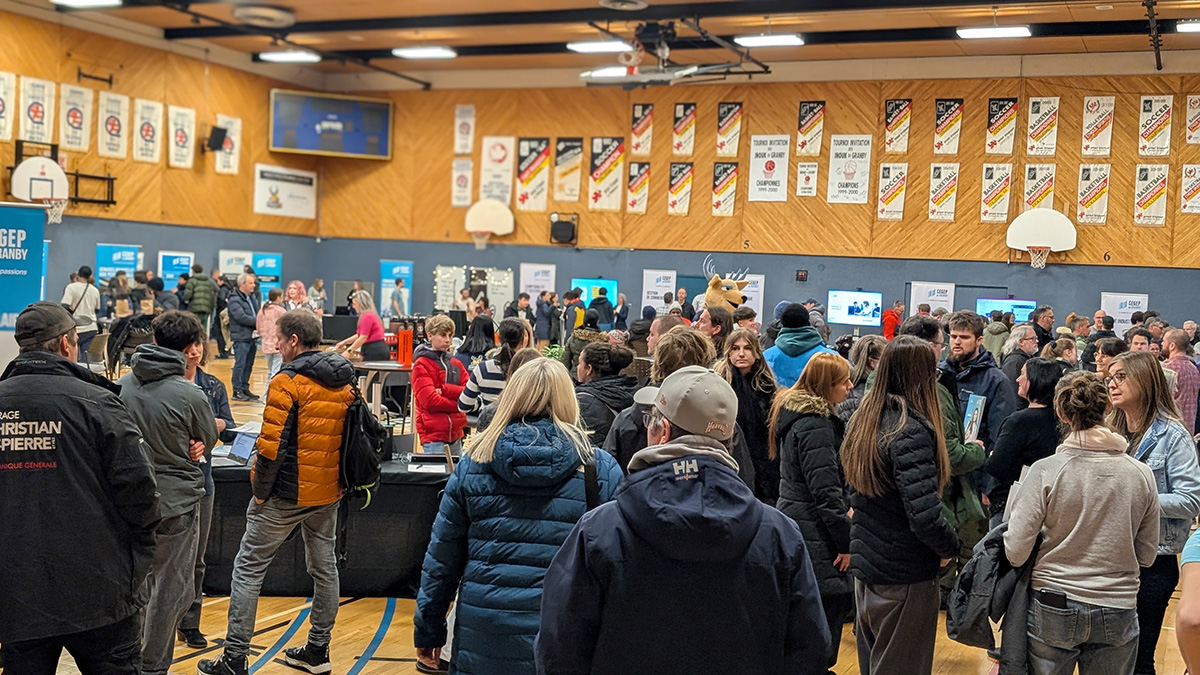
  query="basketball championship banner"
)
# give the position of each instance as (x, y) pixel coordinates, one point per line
(947, 124)
(461, 172)
(37, 110)
(680, 195)
(112, 117)
(729, 128)
(1039, 186)
(810, 129)
(228, 158)
(769, 168)
(724, 191)
(1191, 188)
(8, 93)
(183, 137)
(943, 191)
(806, 179)
(683, 133)
(606, 173)
(533, 173)
(642, 129)
(464, 129)
(148, 122)
(1092, 206)
(997, 188)
(1154, 126)
(1001, 126)
(893, 183)
(568, 169)
(75, 118)
(496, 168)
(1150, 195)
(1193, 118)
(1042, 126)
(897, 116)
(639, 187)
(849, 169)
(1098, 125)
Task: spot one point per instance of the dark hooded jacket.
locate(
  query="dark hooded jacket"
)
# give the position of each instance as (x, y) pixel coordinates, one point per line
(601, 400)
(686, 572)
(981, 376)
(604, 308)
(77, 519)
(639, 334)
(1012, 363)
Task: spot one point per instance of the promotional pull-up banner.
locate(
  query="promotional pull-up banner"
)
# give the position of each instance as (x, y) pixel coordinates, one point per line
(21, 266)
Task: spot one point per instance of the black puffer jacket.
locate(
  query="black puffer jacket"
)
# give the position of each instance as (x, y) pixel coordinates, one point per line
(601, 400)
(812, 490)
(900, 536)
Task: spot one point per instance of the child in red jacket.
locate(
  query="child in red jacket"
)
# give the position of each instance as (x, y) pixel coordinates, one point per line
(438, 380)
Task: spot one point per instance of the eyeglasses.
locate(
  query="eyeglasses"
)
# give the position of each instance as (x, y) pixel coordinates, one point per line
(1029, 339)
(1116, 378)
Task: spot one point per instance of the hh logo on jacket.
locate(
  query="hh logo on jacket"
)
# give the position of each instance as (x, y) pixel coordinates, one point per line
(686, 469)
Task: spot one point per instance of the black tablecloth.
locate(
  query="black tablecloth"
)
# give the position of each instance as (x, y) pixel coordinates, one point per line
(385, 543)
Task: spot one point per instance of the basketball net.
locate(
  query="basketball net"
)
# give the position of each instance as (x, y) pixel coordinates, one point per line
(54, 210)
(1038, 255)
(481, 239)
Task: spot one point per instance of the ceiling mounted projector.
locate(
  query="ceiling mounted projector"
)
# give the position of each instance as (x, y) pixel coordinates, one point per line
(264, 16)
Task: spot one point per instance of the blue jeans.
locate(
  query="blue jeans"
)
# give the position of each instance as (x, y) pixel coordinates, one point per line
(243, 362)
(274, 363)
(1100, 640)
(438, 447)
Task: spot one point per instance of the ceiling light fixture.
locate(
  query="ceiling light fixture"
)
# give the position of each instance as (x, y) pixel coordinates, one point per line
(290, 56)
(985, 32)
(1187, 26)
(600, 47)
(86, 4)
(770, 40)
(607, 71)
(424, 53)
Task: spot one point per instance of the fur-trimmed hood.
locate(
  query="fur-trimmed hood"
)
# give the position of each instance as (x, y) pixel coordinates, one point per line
(589, 335)
(803, 403)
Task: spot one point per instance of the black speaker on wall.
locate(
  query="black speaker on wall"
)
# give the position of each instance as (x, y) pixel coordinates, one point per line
(564, 228)
(216, 139)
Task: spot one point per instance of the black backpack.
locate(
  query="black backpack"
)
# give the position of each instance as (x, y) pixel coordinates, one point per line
(363, 440)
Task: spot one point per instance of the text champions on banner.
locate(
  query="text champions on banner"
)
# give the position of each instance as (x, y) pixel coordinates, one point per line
(679, 197)
(1150, 195)
(683, 132)
(810, 128)
(997, 189)
(148, 125)
(496, 168)
(893, 184)
(642, 130)
(729, 128)
(606, 174)
(461, 173)
(1091, 208)
(849, 169)
(1098, 125)
(75, 117)
(568, 169)
(533, 173)
(947, 125)
(1001, 126)
(639, 187)
(769, 168)
(37, 110)
(8, 95)
(1193, 118)
(1039, 186)
(724, 189)
(1042, 133)
(1191, 188)
(806, 178)
(228, 160)
(1154, 126)
(182, 126)
(897, 118)
(112, 119)
(464, 129)
(943, 191)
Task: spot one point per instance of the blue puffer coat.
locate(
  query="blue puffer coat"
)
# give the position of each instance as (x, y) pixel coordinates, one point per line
(498, 528)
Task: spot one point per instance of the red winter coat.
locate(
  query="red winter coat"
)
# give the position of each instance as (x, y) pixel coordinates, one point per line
(438, 417)
(891, 323)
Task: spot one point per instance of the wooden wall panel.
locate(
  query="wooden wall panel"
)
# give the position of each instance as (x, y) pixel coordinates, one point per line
(1185, 249)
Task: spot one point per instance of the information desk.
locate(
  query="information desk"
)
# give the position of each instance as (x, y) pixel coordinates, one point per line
(385, 543)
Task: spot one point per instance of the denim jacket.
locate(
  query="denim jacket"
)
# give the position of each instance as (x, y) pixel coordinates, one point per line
(1168, 450)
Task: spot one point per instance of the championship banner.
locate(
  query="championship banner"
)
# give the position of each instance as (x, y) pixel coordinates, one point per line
(729, 128)
(724, 191)
(893, 183)
(8, 93)
(496, 168)
(1121, 306)
(112, 124)
(606, 172)
(639, 187)
(75, 118)
(533, 173)
(1042, 126)
(769, 168)
(1191, 188)
(680, 196)
(897, 117)
(806, 179)
(464, 129)
(461, 172)
(810, 129)
(1092, 206)
(683, 133)
(849, 169)
(1098, 125)
(1154, 126)
(642, 129)
(1193, 118)
(229, 156)
(148, 123)
(183, 137)
(1039, 186)
(947, 124)
(997, 188)
(568, 169)
(37, 110)
(1150, 195)
(1001, 126)
(943, 191)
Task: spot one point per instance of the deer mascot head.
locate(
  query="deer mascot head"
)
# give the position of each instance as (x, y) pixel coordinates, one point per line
(724, 291)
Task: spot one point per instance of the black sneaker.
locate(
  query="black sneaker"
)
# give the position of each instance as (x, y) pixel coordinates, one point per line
(193, 638)
(443, 666)
(226, 665)
(250, 396)
(310, 657)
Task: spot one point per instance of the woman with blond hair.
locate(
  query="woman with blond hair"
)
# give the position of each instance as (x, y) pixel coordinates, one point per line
(806, 435)
(369, 335)
(513, 499)
(743, 367)
(1063, 350)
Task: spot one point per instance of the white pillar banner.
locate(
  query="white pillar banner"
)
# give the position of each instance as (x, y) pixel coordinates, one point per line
(1121, 306)
(755, 287)
(535, 278)
(933, 293)
(656, 284)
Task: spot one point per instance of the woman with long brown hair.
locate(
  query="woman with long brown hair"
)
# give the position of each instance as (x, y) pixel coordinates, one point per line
(743, 367)
(806, 435)
(895, 459)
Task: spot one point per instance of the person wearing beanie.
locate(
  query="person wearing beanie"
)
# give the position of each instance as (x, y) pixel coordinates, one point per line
(163, 301)
(796, 344)
(771, 332)
(639, 331)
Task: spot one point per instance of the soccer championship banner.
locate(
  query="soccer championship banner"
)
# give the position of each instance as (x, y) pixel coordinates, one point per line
(1098, 125)
(849, 169)
(897, 116)
(112, 118)
(1154, 126)
(947, 125)
(1150, 195)
(148, 123)
(893, 183)
(496, 168)
(1001, 126)
(1191, 188)
(724, 191)
(943, 191)
(607, 170)
(229, 156)
(37, 111)
(8, 94)
(75, 118)
(729, 128)
(1042, 126)
(1092, 205)
(769, 168)
(568, 169)
(1039, 186)
(1193, 118)
(464, 129)
(183, 137)
(680, 195)
(639, 187)
(642, 129)
(461, 172)
(533, 173)
(683, 132)
(806, 179)
(997, 188)
(810, 129)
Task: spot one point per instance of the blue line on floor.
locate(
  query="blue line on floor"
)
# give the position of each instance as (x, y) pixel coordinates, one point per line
(283, 639)
(384, 624)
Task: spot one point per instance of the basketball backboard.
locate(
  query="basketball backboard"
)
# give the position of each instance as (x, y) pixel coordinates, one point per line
(486, 218)
(1041, 228)
(39, 178)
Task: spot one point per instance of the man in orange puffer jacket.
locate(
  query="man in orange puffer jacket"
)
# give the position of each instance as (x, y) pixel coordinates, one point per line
(438, 380)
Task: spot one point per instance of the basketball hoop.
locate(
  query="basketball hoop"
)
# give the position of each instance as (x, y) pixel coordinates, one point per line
(481, 239)
(54, 209)
(1038, 255)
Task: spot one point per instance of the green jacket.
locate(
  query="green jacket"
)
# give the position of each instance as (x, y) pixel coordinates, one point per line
(200, 294)
(995, 334)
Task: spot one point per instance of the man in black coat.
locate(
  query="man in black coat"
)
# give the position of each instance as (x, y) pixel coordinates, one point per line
(1042, 319)
(977, 373)
(520, 309)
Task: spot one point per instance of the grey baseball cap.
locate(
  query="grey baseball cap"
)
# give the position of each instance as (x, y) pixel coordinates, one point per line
(696, 399)
(41, 322)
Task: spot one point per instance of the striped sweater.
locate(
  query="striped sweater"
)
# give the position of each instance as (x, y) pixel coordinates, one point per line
(483, 387)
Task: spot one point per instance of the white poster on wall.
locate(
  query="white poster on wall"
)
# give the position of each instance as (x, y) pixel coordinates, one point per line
(1150, 195)
(448, 281)
(533, 173)
(1190, 190)
(810, 129)
(943, 191)
(1121, 306)
(37, 110)
(1154, 126)
(769, 168)
(997, 188)
(607, 173)
(933, 293)
(148, 131)
(849, 169)
(535, 278)
(496, 169)
(1001, 126)
(1098, 125)
(464, 129)
(806, 179)
(75, 117)
(228, 159)
(182, 127)
(893, 184)
(112, 125)
(756, 284)
(8, 104)
(683, 134)
(641, 128)
(461, 172)
(1091, 207)
(233, 262)
(1193, 119)
(656, 284)
(638, 188)
(1039, 186)
(1041, 137)
(289, 193)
